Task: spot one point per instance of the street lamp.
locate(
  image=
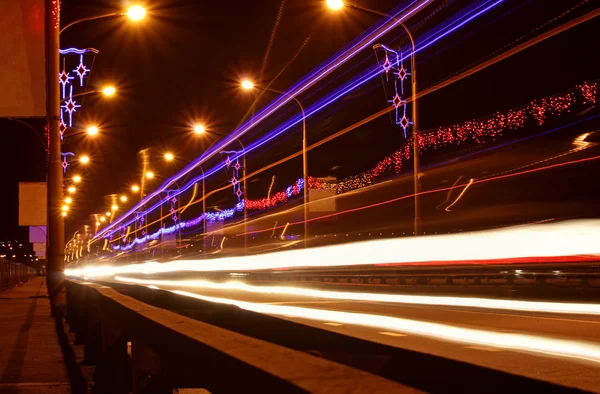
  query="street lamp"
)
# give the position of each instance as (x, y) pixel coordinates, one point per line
(107, 91)
(338, 4)
(77, 179)
(248, 85)
(92, 130)
(56, 236)
(65, 208)
(71, 189)
(200, 129)
(123, 198)
(68, 200)
(114, 207)
(102, 219)
(169, 156)
(335, 4)
(134, 13)
(149, 175)
(135, 188)
(107, 214)
(84, 159)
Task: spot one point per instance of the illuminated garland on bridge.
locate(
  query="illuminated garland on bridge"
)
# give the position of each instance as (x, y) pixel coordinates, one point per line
(479, 131)
(220, 216)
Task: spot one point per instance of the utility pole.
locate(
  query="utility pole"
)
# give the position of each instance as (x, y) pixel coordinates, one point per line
(55, 265)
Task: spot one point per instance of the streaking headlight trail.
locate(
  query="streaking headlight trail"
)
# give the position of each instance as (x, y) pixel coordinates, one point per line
(483, 303)
(546, 241)
(518, 342)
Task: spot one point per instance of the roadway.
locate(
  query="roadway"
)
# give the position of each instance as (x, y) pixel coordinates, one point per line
(556, 366)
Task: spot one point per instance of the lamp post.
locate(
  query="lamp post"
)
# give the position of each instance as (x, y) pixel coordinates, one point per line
(201, 130)
(338, 4)
(56, 231)
(248, 85)
(135, 13)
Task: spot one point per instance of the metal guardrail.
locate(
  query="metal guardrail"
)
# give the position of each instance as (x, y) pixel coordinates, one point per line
(13, 273)
(139, 348)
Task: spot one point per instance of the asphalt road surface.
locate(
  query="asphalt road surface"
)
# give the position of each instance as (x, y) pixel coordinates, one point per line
(555, 368)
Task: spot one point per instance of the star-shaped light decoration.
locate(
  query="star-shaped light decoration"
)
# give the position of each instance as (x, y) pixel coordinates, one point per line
(228, 161)
(62, 129)
(70, 106)
(237, 165)
(402, 73)
(404, 123)
(81, 70)
(387, 65)
(397, 101)
(63, 79)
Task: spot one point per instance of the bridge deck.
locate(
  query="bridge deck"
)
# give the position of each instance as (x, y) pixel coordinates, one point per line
(31, 359)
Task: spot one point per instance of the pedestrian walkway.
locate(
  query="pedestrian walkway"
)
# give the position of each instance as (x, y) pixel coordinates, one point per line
(31, 357)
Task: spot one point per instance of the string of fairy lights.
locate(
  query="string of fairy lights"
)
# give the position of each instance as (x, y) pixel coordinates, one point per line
(480, 131)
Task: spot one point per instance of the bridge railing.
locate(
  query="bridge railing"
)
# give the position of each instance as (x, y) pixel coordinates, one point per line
(13, 273)
(138, 348)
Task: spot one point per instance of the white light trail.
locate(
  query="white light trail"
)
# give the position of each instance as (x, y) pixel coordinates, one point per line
(563, 239)
(483, 303)
(518, 342)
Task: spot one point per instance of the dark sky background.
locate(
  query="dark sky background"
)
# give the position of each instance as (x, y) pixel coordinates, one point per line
(183, 64)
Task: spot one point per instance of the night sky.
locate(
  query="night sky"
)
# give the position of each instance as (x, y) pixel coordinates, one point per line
(184, 62)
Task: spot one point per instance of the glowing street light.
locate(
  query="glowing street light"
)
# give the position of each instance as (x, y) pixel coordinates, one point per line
(108, 214)
(123, 198)
(68, 200)
(98, 223)
(92, 130)
(114, 207)
(109, 91)
(136, 13)
(135, 188)
(71, 189)
(102, 219)
(199, 129)
(247, 85)
(65, 208)
(63, 214)
(149, 175)
(169, 156)
(84, 159)
(335, 4)
(77, 179)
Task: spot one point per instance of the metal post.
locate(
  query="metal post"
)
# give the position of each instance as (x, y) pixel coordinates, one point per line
(245, 196)
(56, 235)
(304, 158)
(203, 202)
(413, 64)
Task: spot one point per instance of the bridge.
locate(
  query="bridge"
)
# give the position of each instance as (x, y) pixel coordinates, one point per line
(367, 228)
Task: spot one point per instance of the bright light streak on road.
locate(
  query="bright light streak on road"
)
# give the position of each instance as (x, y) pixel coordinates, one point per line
(483, 303)
(539, 241)
(518, 342)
